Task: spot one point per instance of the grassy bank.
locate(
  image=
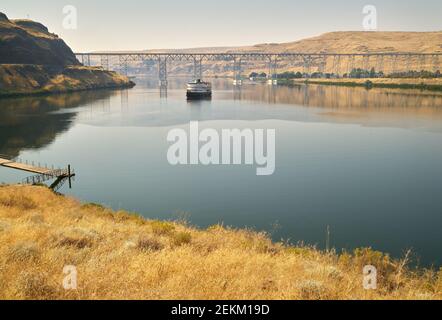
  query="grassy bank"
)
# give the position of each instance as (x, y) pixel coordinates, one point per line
(26, 80)
(121, 255)
(393, 83)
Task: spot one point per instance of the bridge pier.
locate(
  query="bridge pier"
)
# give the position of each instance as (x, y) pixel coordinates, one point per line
(336, 65)
(162, 72)
(350, 65)
(394, 64)
(104, 60)
(197, 68)
(422, 62)
(322, 65)
(307, 66)
(237, 79)
(273, 71)
(366, 62)
(380, 63)
(86, 60)
(436, 62)
(123, 64)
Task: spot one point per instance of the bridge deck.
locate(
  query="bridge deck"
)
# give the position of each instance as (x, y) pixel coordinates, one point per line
(23, 167)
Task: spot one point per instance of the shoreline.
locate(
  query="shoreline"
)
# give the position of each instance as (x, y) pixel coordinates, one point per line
(385, 83)
(40, 80)
(43, 93)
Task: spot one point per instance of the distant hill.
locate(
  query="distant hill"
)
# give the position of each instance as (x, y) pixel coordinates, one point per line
(333, 42)
(341, 42)
(359, 42)
(29, 42)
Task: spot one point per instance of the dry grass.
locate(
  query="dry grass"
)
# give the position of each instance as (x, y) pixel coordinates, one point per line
(119, 255)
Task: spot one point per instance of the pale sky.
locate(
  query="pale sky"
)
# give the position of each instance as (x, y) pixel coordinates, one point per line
(160, 24)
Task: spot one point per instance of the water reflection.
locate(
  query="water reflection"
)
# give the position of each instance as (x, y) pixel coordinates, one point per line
(35, 122)
(305, 103)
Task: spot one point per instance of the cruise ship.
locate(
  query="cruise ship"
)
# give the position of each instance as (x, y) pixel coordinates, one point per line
(199, 89)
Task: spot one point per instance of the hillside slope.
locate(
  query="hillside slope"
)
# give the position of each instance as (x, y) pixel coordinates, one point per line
(35, 61)
(123, 256)
(333, 42)
(29, 42)
(359, 42)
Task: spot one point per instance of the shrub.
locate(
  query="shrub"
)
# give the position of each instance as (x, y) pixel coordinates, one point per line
(34, 286)
(97, 206)
(162, 228)
(76, 238)
(181, 238)
(24, 252)
(18, 201)
(311, 290)
(149, 244)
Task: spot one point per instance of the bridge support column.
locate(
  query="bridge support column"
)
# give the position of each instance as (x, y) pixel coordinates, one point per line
(273, 71)
(197, 68)
(409, 63)
(104, 60)
(336, 65)
(436, 66)
(394, 64)
(322, 69)
(380, 63)
(162, 71)
(422, 62)
(307, 66)
(366, 63)
(86, 60)
(351, 65)
(237, 80)
(123, 64)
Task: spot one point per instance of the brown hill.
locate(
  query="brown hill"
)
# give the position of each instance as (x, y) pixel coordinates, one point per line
(333, 42)
(29, 42)
(359, 42)
(35, 61)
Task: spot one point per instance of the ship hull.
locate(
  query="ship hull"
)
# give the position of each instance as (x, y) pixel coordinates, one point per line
(198, 95)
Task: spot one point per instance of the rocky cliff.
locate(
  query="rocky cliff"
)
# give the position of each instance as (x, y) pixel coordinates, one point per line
(29, 42)
(33, 60)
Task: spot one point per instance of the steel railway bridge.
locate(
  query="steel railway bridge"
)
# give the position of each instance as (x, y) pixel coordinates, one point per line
(336, 64)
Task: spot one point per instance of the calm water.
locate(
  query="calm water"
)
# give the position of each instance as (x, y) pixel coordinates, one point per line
(366, 163)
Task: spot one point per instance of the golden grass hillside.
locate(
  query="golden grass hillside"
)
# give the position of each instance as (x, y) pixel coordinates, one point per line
(123, 256)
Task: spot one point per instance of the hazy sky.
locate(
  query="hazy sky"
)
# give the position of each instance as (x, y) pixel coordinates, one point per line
(153, 24)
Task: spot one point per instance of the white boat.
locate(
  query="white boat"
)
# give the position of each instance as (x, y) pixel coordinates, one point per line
(199, 89)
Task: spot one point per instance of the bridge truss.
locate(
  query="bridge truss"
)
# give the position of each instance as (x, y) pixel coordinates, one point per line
(335, 64)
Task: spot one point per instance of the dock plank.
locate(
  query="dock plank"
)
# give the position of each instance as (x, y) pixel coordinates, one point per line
(3, 161)
(24, 167)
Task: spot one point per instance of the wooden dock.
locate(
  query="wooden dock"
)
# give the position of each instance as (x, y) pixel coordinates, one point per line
(42, 174)
(23, 167)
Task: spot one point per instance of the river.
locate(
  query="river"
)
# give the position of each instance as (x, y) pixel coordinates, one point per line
(367, 164)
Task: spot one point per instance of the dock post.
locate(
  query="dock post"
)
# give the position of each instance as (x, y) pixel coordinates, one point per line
(69, 175)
